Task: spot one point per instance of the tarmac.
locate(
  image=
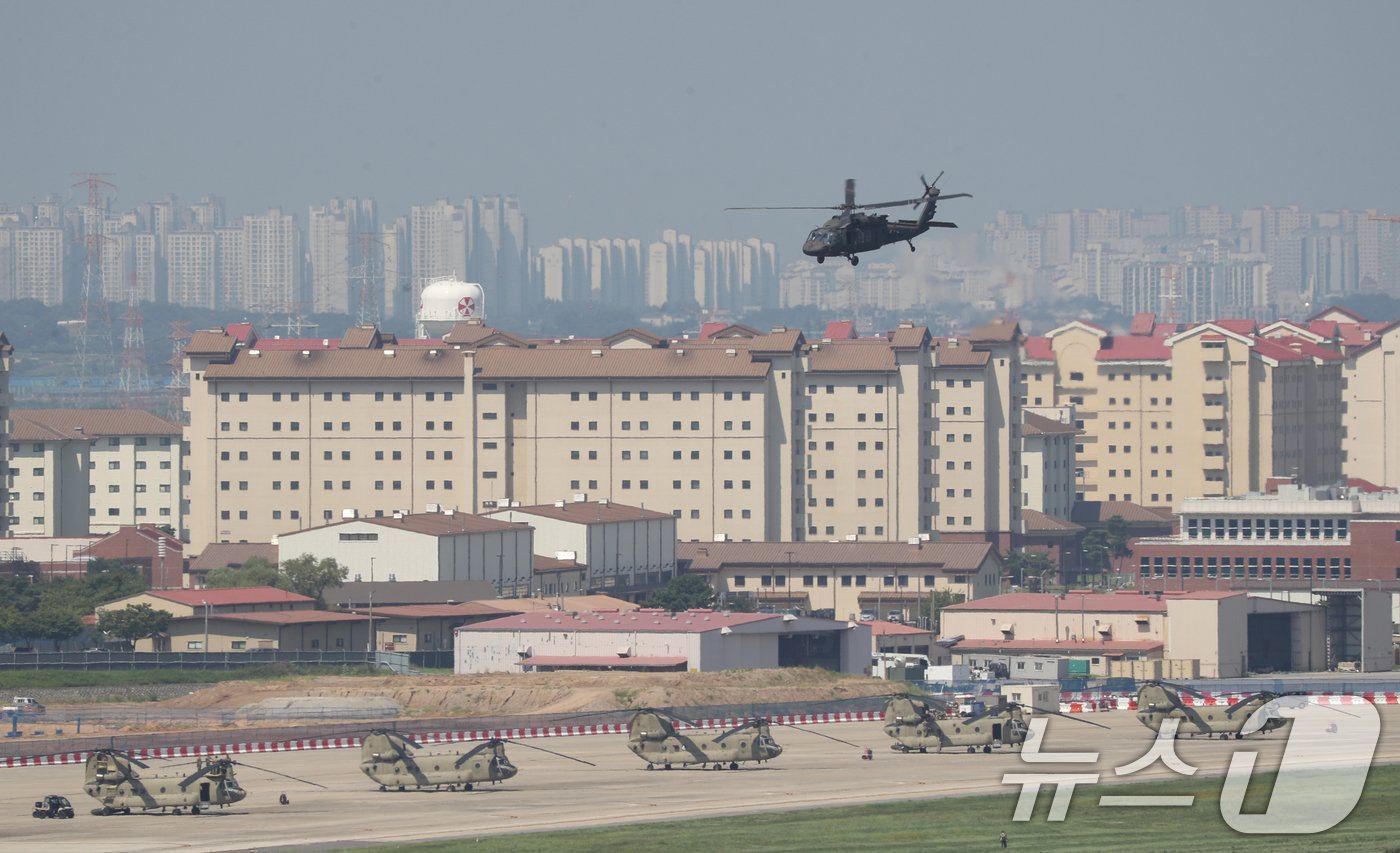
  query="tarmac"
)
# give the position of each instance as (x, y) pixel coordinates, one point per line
(552, 793)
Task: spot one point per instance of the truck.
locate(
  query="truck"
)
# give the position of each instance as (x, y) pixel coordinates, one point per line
(23, 706)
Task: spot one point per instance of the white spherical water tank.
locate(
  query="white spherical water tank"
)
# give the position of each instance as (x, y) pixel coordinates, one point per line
(447, 302)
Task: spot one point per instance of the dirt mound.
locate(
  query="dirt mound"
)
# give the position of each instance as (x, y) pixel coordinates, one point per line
(543, 693)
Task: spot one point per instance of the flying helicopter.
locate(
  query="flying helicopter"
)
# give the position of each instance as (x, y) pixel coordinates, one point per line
(113, 781)
(850, 232)
(652, 735)
(925, 725)
(1158, 701)
(395, 760)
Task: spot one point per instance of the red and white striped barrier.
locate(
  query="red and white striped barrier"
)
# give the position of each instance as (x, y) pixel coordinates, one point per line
(1206, 700)
(300, 744)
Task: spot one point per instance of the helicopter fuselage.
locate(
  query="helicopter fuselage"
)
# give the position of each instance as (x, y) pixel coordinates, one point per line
(398, 768)
(656, 741)
(861, 232)
(916, 727)
(1156, 706)
(114, 783)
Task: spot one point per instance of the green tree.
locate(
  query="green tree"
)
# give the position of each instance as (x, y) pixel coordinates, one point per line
(1022, 564)
(133, 622)
(1097, 548)
(941, 599)
(309, 576)
(684, 592)
(108, 580)
(1118, 550)
(256, 572)
(55, 622)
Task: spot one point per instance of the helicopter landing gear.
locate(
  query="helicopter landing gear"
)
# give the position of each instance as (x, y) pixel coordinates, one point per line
(821, 259)
(971, 750)
(853, 259)
(1239, 736)
(717, 766)
(666, 766)
(383, 788)
(986, 749)
(174, 811)
(923, 750)
(911, 245)
(126, 811)
(467, 787)
(104, 811)
(733, 765)
(194, 809)
(650, 767)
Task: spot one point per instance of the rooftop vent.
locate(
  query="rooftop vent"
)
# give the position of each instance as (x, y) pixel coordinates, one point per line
(721, 537)
(731, 352)
(325, 342)
(255, 352)
(559, 504)
(680, 352)
(597, 353)
(580, 497)
(602, 501)
(306, 353)
(388, 353)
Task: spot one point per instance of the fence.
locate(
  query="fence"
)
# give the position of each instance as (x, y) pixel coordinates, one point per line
(103, 660)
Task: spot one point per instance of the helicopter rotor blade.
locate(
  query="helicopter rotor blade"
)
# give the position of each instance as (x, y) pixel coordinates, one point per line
(551, 752)
(1066, 716)
(205, 770)
(747, 724)
(818, 207)
(1180, 688)
(818, 734)
(467, 756)
(284, 775)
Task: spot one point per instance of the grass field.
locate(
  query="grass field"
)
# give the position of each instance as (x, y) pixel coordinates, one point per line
(973, 823)
(39, 679)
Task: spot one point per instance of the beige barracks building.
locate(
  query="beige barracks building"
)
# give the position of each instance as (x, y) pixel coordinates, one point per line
(1168, 413)
(753, 435)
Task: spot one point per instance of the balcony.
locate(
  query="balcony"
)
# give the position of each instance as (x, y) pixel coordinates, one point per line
(1213, 387)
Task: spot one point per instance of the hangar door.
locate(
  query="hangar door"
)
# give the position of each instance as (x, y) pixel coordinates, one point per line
(821, 649)
(1271, 642)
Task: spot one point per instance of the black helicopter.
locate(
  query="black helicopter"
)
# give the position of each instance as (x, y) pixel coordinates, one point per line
(849, 233)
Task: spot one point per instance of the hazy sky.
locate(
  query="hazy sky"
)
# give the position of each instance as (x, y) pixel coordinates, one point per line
(621, 118)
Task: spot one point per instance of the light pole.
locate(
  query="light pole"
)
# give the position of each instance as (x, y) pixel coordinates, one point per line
(206, 629)
(369, 638)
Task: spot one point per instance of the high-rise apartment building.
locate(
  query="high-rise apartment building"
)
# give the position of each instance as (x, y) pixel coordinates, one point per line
(272, 264)
(342, 248)
(38, 257)
(747, 434)
(6, 353)
(191, 263)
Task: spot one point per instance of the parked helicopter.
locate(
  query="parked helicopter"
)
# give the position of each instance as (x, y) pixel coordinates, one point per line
(1159, 701)
(395, 760)
(849, 233)
(113, 781)
(652, 735)
(924, 725)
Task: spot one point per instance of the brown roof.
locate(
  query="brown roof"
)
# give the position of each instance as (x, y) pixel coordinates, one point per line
(408, 363)
(218, 555)
(909, 337)
(465, 610)
(571, 604)
(588, 512)
(1038, 522)
(947, 556)
(997, 331)
(474, 332)
(360, 337)
(211, 343)
(550, 564)
(64, 424)
(1095, 512)
(282, 617)
(679, 361)
(391, 593)
(639, 334)
(1033, 424)
(962, 355)
(856, 356)
(432, 523)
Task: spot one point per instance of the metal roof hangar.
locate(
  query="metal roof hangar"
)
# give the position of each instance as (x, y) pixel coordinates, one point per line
(694, 640)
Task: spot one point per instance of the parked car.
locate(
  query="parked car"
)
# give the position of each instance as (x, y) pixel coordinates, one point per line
(867, 616)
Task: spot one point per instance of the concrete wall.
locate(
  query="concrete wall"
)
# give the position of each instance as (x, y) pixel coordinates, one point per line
(1213, 631)
(1377, 644)
(1070, 623)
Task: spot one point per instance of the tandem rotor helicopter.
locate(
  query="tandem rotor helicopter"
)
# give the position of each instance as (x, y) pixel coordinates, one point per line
(850, 232)
(653, 737)
(924, 725)
(1159, 701)
(112, 780)
(396, 760)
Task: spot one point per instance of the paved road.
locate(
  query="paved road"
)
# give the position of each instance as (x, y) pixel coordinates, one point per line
(551, 793)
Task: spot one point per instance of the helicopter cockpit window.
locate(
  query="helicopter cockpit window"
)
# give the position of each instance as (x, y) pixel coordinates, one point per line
(820, 236)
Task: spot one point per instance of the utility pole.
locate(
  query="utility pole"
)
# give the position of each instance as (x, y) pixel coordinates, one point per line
(93, 216)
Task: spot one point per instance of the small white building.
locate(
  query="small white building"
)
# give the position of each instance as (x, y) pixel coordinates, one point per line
(693, 640)
(438, 546)
(620, 546)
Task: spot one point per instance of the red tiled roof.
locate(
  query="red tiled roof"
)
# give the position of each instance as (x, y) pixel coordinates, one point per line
(957, 557)
(1278, 352)
(1309, 348)
(653, 622)
(284, 617)
(551, 564)
(1142, 324)
(227, 596)
(602, 660)
(1044, 602)
(1106, 647)
(1365, 485)
(881, 628)
(1133, 348)
(432, 523)
(1239, 327)
(1039, 348)
(840, 330)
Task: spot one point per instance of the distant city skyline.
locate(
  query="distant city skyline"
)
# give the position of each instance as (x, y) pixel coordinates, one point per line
(625, 118)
